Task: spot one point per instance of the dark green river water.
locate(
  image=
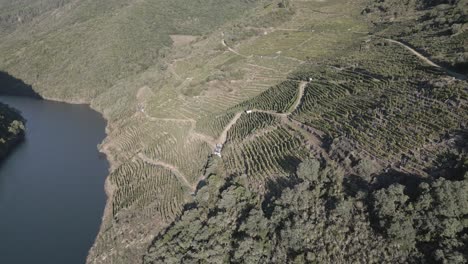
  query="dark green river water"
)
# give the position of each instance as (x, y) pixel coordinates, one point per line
(52, 185)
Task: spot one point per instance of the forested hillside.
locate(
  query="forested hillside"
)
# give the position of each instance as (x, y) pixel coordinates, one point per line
(319, 215)
(76, 50)
(11, 129)
(269, 131)
(389, 186)
(437, 28)
(15, 13)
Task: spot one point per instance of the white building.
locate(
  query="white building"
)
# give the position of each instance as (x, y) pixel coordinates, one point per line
(217, 150)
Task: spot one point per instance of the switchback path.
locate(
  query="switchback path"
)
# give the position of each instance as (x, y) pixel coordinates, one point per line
(284, 116)
(209, 140)
(313, 139)
(300, 94)
(222, 138)
(170, 167)
(294, 106)
(231, 49)
(428, 61)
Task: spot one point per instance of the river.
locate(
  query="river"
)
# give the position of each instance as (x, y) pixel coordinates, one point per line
(52, 185)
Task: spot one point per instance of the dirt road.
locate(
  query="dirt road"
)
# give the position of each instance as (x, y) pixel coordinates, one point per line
(428, 61)
(170, 167)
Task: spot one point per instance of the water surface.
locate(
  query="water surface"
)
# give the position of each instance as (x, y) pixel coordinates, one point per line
(52, 185)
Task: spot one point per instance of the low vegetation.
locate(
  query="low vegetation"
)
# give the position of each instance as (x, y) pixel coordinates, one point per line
(131, 36)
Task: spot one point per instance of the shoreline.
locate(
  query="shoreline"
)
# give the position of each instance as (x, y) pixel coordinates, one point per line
(74, 102)
(108, 188)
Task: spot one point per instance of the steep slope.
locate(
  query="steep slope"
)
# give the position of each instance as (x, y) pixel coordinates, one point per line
(436, 28)
(76, 50)
(274, 82)
(102, 53)
(386, 113)
(319, 216)
(15, 13)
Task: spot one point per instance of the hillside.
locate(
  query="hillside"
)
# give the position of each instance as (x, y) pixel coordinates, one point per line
(76, 50)
(12, 127)
(348, 114)
(321, 216)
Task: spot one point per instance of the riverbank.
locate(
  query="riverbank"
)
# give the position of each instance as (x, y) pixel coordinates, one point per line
(60, 176)
(109, 189)
(16, 87)
(12, 130)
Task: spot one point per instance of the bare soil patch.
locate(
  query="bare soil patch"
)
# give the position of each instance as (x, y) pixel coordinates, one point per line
(182, 40)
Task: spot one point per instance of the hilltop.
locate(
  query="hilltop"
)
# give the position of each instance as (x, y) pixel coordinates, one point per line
(234, 125)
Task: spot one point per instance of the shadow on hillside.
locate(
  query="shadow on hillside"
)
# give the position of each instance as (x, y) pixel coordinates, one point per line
(10, 85)
(354, 184)
(289, 163)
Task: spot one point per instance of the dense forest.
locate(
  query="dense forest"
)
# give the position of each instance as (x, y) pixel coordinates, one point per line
(12, 127)
(320, 216)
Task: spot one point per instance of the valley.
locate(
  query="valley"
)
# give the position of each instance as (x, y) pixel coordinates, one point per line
(362, 95)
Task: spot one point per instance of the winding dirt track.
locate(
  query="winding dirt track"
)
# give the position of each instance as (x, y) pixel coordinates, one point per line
(300, 94)
(222, 138)
(294, 106)
(170, 167)
(284, 117)
(209, 140)
(231, 49)
(428, 61)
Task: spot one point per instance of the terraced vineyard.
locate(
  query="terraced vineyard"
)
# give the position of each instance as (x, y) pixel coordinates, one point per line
(188, 156)
(148, 185)
(278, 98)
(265, 89)
(250, 125)
(289, 106)
(385, 112)
(214, 124)
(274, 152)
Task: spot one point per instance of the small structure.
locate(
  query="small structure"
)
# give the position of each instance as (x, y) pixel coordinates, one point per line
(217, 150)
(248, 111)
(141, 108)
